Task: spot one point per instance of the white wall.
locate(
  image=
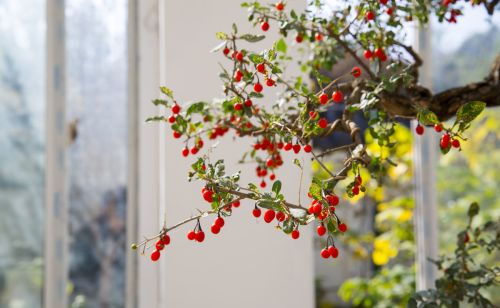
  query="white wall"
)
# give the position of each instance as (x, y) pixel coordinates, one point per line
(250, 264)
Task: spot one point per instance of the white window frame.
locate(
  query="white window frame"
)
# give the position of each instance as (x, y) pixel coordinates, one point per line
(145, 162)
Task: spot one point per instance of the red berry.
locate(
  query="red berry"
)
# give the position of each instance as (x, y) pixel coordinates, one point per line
(238, 75)
(334, 252)
(256, 212)
(208, 196)
(185, 152)
(270, 82)
(226, 51)
(389, 11)
(384, 2)
(270, 162)
(368, 54)
(248, 103)
(358, 180)
(239, 56)
(323, 98)
(236, 203)
(379, 53)
(280, 216)
(263, 184)
(296, 148)
(219, 222)
(176, 134)
(299, 38)
(191, 235)
(272, 177)
(318, 37)
(356, 72)
(313, 114)
(257, 87)
(238, 106)
(355, 190)
(159, 245)
(325, 254)
(165, 239)
(215, 229)
(171, 119)
(455, 143)
(323, 123)
(337, 97)
(445, 141)
(342, 227)
(321, 230)
(280, 6)
(264, 26)
(200, 236)
(295, 234)
(194, 150)
(200, 143)
(269, 215)
(419, 129)
(332, 199)
(155, 255)
(317, 208)
(176, 108)
(288, 146)
(307, 148)
(370, 15)
(438, 127)
(261, 68)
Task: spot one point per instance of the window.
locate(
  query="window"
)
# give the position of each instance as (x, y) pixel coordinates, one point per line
(22, 107)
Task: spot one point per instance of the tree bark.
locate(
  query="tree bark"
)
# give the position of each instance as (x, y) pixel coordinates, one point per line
(445, 104)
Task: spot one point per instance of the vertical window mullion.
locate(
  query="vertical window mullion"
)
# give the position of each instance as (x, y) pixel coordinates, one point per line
(425, 158)
(56, 203)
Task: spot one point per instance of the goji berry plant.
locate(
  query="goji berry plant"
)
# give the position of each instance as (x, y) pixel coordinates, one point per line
(382, 85)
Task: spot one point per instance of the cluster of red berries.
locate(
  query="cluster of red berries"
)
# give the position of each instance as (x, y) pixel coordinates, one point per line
(446, 140)
(337, 97)
(270, 215)
(196, 234)
(218, 224)
(160, 245)
(321, 122)
(329, 251)
(358, 181)
(322, 209)
(198, 145)
(379, 53)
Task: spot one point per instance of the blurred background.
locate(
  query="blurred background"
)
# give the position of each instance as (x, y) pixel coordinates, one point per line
(82, 176)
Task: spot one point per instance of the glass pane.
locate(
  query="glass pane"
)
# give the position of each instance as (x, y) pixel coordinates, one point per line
(22, 115)
(97, 103)
(471, 174)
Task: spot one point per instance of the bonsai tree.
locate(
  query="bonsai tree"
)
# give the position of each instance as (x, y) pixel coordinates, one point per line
(382, 84)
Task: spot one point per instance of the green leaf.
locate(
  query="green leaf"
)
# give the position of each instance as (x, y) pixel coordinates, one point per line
(268, 204)
(156, 119)
(315, 191)
(221, 36)
(157, 102)
(167, 92)
(252, 38)
(235, 28)
(427, 117)
(196, 108)
(469, 111)
(473, 209)
(288, 226)
(276, 187)
(296, 162)
(280, 45)
(256, 59)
